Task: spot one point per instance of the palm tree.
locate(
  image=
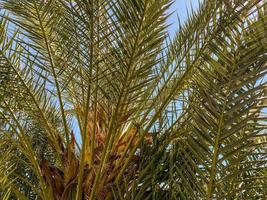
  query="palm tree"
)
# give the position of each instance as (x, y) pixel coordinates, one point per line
(98, 102)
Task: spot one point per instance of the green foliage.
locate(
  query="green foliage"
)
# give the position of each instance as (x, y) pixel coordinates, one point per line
(97, 102)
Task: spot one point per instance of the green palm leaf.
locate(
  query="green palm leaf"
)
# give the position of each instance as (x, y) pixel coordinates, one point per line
(97, 102)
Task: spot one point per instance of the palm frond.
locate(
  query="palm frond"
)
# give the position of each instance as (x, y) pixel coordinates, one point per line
(98, 102)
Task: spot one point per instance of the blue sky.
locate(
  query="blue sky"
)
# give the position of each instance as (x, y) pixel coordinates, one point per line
(180, 8)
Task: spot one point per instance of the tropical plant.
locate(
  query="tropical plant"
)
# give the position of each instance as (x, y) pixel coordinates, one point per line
(98, 102)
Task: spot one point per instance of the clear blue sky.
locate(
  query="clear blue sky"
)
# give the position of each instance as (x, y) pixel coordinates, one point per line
(180, 8)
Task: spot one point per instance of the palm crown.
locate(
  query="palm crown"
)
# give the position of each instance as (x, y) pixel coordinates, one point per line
(97, 102)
